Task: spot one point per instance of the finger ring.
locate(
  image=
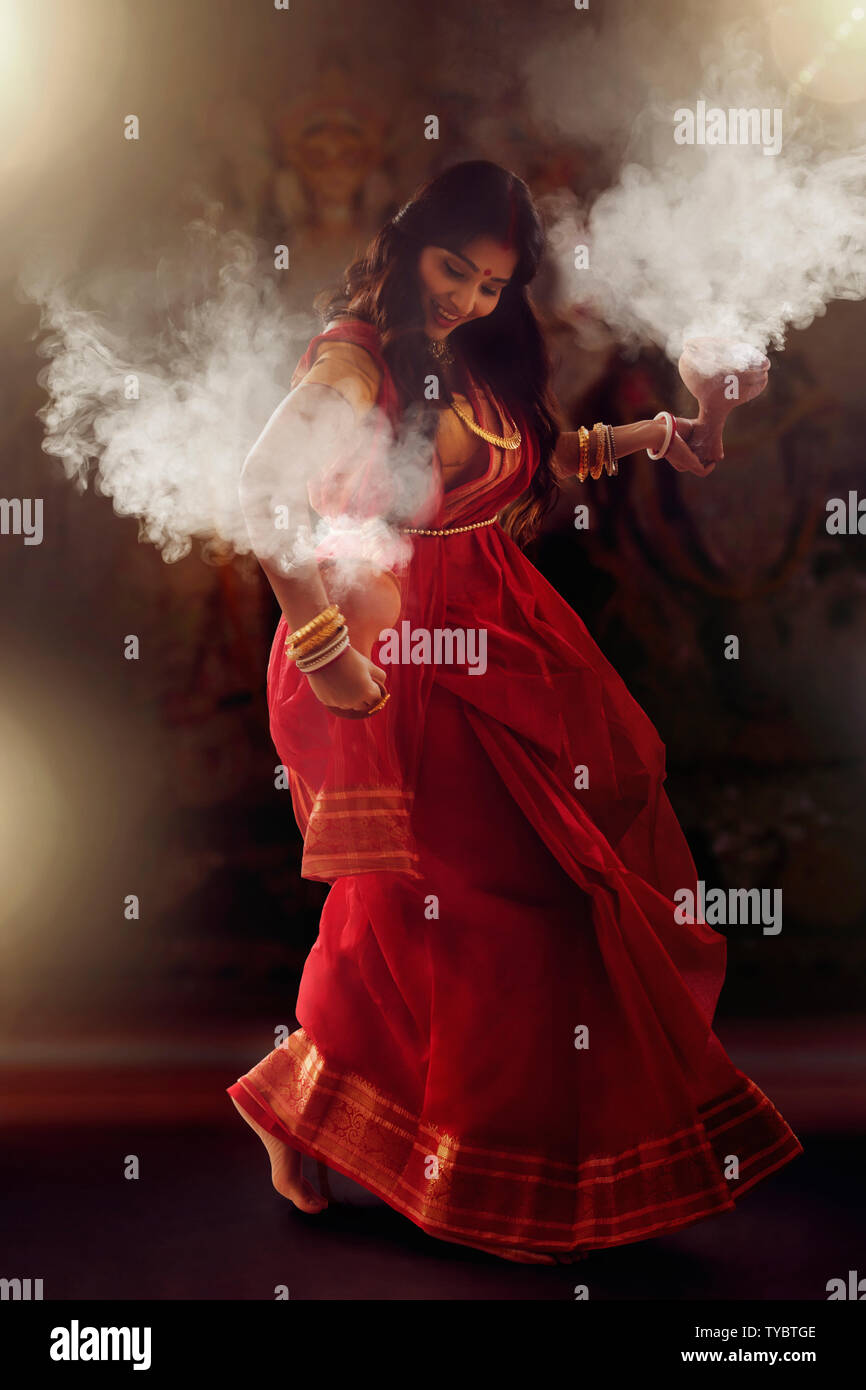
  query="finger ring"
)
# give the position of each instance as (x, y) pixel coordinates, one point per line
(380, 703)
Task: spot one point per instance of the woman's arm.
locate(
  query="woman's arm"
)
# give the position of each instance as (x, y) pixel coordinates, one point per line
(316, 422)
(630, 439)
(311, 421)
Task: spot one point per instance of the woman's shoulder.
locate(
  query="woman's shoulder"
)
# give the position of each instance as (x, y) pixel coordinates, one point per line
(352, 326)
(346, 364)
(348, 332)
(349, 356)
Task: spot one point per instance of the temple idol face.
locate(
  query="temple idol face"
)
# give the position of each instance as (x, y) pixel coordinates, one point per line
(457, 286)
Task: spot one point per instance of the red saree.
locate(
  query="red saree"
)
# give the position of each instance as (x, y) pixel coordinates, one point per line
(504, 1033)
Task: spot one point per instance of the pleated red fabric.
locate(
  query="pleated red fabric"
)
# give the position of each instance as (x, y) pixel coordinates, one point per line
(504, 1031)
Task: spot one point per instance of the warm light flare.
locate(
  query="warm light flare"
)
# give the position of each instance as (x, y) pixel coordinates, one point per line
(821, 52)
(16, 58)
(30, 812)
(46, 50)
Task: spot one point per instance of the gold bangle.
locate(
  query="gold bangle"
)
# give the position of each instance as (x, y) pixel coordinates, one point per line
(599, 437)
(326, 614)
(315, 639)
(612, 466)
(583, 463)
(379, 703)
(313, 653)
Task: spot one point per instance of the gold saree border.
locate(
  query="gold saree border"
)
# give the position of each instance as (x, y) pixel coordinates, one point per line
(512, 1203)
(357, 830)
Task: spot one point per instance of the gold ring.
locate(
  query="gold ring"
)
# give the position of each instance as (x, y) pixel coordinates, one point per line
(380, 703)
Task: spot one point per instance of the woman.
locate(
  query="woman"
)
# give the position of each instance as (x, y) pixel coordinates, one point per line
(505, 1032)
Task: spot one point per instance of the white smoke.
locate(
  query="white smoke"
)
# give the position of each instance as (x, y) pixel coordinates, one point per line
(741, 247)
(313, 436)
(716, 240)
(161, 381)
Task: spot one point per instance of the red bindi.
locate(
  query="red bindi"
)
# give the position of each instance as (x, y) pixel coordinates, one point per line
(488, 271)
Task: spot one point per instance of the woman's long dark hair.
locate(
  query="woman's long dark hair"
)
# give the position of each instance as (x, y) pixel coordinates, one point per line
(505, 348)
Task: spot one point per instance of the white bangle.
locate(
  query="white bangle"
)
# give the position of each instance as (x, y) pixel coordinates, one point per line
(324, 658)
(669, 434)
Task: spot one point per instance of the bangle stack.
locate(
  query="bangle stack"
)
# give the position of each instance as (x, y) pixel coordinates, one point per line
(319, 641)
(597, 452)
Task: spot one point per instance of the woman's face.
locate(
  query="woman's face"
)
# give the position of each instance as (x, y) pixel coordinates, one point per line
(465, 285)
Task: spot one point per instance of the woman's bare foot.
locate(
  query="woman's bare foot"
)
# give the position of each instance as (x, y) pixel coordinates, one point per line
(286, 1169)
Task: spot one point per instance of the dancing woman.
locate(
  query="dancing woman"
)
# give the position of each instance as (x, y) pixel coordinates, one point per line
(505, 1024)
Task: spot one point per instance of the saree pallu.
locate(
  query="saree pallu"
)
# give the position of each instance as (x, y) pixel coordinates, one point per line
(504, 1032)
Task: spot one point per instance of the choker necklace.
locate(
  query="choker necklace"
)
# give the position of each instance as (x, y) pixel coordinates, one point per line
(441, 351)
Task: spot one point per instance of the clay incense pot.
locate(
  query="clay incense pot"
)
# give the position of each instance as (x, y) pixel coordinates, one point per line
(720, 373)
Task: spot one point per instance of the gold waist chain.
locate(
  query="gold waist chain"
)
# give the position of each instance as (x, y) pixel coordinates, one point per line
(447, 530)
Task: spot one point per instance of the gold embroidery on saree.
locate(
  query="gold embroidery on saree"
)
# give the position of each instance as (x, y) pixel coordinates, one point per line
(359, 830)
(345, 1119)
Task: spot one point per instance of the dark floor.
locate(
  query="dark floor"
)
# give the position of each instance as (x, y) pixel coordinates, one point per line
(202, 1222)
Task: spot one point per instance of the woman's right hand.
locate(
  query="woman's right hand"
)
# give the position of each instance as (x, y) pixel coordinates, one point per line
(348, 686)
(686, 449)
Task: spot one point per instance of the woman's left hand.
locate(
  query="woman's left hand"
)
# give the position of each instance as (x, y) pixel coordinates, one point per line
(681, 457)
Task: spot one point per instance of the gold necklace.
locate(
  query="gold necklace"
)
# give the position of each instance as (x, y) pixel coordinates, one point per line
(512, 442)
